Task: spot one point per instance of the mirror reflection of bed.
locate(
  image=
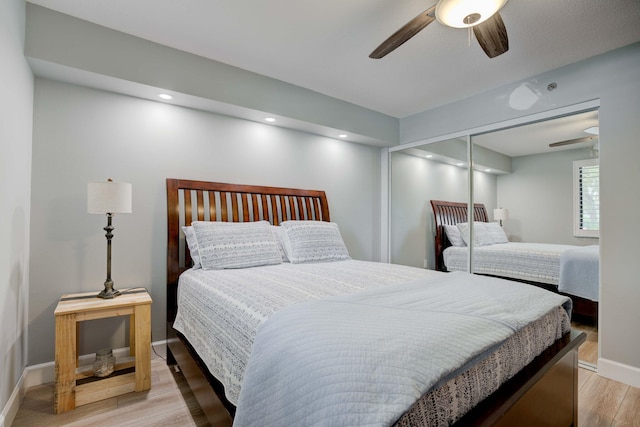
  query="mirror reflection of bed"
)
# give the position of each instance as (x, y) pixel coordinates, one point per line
(566, 269)
(534, 184)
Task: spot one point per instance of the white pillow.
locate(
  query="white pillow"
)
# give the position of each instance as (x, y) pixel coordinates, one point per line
(236, 244)
(480, 234)
(277, 233)
(496, 232)
(453, 234)
(313, 241)
(192, 243)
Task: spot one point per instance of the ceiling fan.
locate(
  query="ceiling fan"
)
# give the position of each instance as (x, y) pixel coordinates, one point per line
(482, 15)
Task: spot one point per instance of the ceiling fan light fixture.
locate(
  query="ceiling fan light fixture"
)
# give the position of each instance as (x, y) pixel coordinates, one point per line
(466, 13)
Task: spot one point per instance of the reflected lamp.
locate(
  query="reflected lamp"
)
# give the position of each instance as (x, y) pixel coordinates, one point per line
(500, 214)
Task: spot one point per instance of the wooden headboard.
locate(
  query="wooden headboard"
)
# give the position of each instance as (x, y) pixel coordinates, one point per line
(189, 201)
(451, 213)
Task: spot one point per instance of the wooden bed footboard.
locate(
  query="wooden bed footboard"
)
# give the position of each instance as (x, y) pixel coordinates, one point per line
(544, 393)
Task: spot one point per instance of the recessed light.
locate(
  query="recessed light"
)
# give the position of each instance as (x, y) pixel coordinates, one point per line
(165, 96)
(270, 119)
(343, 135)
(428, 156)
(487, 170)
(459, 164)
(593, 130)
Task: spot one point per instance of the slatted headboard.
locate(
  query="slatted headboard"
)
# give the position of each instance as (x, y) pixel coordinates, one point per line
(189, 201)
(451, 213)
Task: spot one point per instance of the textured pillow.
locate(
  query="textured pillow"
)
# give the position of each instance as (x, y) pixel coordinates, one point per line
(192, 243)
(313, 241)
(236, 244)
(453, 234)
(496, 233)
(277, 233)
(480, 234)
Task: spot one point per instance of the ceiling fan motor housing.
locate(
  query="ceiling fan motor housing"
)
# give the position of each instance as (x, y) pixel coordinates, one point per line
(466, 13)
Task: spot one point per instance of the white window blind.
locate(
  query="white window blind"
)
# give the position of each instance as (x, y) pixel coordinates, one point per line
(586, 198)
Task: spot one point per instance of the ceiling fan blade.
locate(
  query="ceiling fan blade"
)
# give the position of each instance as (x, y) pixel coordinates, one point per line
(492, 36)
(409, 30)
(572, 141)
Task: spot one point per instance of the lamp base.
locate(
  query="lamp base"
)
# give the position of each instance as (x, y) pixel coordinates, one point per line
(108, 292)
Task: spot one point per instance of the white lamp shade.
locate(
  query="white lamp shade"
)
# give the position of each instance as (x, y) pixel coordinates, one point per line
(108, 197)
(453, 12)
(500, 214)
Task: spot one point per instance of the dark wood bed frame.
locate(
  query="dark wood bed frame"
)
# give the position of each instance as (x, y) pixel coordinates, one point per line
(451, 213)
(545, 392)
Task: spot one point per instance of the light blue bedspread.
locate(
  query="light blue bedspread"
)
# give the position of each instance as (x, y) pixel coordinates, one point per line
(579, 272)
(364, 359)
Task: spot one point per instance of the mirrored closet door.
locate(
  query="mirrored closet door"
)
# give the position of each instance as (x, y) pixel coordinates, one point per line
(523, 180)
(547, 203)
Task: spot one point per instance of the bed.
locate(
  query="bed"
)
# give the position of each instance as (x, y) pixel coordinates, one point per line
(569, 270)
(545, 387)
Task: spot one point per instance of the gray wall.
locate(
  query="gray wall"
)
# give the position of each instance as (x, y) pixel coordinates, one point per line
(414, 182)
(83, 135)
(539, 196)
(16, 111)
(614, 79)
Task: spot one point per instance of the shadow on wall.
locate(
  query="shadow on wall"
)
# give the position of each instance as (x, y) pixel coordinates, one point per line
(14, 309)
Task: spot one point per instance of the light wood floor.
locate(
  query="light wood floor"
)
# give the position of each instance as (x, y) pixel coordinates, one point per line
(588, 351)
(168, 403)
(602, 403)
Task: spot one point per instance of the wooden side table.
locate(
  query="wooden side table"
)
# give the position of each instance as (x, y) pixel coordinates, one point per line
(74, 387)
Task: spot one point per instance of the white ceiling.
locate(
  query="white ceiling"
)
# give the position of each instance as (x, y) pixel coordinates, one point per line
(324, 45)
(535, 138)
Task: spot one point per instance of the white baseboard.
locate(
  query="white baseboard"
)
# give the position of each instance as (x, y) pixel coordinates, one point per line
(45, 373)
(619, 372)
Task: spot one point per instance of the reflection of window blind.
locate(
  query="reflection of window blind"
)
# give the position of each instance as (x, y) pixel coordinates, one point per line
(586, 197)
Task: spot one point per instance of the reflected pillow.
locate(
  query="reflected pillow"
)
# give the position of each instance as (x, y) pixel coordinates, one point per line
(313, 241)
(224, 245)
(480, 234)
(496, 232)
(454, 236)
(192, 243)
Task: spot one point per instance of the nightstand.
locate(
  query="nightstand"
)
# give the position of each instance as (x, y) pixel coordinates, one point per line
(75, 387)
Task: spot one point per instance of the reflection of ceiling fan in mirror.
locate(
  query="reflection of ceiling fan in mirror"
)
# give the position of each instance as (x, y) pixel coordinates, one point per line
(482, 15)
(594, 131)
(573, 141)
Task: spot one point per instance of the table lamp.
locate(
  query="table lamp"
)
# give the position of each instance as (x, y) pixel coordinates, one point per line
(108, 198)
